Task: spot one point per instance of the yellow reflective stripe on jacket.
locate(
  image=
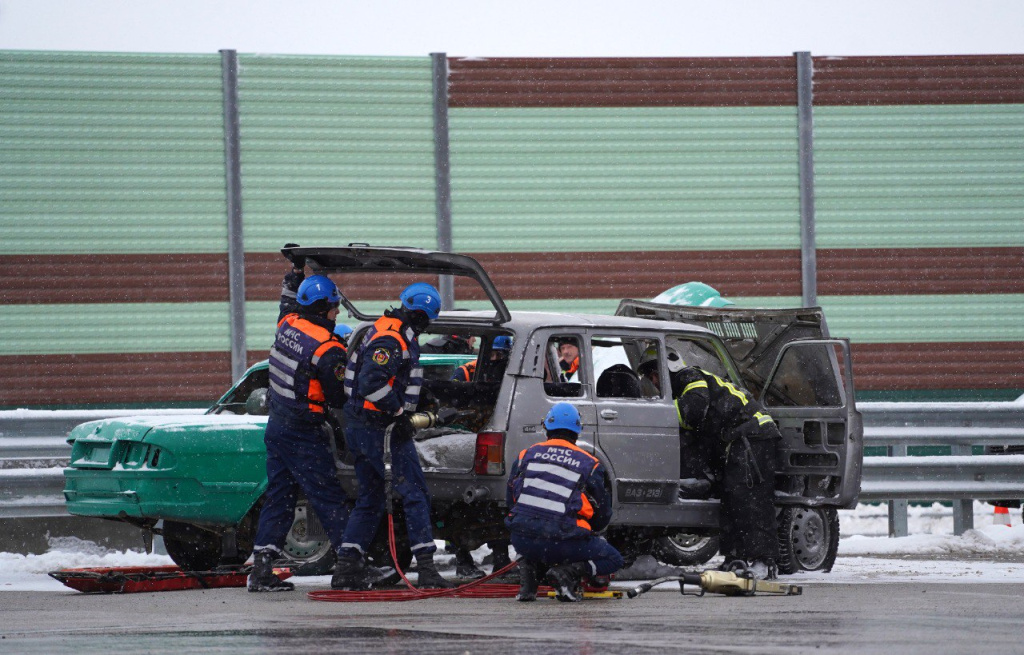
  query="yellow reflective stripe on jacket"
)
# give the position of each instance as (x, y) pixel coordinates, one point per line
(679, 415)
(763, 418)
(731, 388)
(699, 384)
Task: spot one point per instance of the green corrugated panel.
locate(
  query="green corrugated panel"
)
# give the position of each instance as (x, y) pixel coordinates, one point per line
(111, 153)
(606, 179)
(113, 328)
(336, 150)
(919, 176)
(933, 318)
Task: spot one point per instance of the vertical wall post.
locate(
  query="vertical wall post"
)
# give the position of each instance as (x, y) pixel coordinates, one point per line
(963, 510)
(236, 247)
(805, 122)
(442, 171)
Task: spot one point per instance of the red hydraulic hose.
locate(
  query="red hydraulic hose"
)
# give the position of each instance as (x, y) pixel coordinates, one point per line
(470, 590)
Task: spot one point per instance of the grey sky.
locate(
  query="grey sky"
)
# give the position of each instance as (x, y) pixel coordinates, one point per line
(518, 27)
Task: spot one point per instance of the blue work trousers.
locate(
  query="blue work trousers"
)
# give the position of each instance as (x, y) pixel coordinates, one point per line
(299, 457)
(366, 442)
(601, 556)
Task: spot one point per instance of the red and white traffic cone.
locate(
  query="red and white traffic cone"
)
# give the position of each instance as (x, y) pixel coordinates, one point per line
(1001, 516)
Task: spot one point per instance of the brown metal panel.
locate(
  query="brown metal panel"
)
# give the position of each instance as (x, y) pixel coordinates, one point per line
(573, 275)
(890, 271)
(46, 279)
(911, 366)
(622, 82)
(937, 80)
(113, 378)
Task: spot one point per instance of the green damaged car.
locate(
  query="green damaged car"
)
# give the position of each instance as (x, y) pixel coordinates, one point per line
(198, 479)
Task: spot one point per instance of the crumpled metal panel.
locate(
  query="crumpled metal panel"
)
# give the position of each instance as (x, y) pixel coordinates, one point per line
(336, 150)
(111, 153)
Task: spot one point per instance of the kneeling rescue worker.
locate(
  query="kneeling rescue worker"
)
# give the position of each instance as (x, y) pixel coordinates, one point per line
(556, 492)
(383, 379)
(307, 371)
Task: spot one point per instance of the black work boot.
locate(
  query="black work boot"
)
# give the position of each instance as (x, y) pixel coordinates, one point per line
(429, 578)
(465, 567)
(567, 579)
(354, 575)
(262, 577)
(500, 560)
(527, 581)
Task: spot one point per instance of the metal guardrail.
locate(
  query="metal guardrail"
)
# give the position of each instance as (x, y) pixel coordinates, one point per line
(960, 477)
(33, 452)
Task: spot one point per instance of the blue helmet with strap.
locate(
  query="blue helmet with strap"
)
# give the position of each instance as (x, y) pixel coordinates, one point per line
(317, 287)
(563, 416)
(502, 342)
(423, 297)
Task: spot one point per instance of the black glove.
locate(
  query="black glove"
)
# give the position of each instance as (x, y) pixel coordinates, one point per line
(402, 429)
(298, 261)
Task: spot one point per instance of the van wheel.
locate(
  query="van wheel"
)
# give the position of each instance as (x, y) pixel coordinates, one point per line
(808, 539)
(191, 547)
(685, 548)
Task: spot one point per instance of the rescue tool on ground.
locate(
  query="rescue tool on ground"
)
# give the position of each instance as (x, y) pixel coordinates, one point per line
(739, 582)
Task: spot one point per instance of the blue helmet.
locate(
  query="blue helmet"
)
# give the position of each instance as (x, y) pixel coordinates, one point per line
(423, 297)
(342, 330)
(563, 416)
(317, 287)
(502, 342)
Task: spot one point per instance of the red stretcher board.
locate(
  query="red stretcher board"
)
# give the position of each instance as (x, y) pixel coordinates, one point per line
(138, 579)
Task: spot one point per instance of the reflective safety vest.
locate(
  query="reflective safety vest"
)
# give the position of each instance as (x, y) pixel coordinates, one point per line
(409, 377)
(550, 483)
(568, 371)
(298, 346)
(465, 372)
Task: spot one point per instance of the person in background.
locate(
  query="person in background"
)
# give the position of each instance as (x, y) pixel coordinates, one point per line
(568, 361)
(558, 502)
(307, 371)
(344, 332)
(383, 379)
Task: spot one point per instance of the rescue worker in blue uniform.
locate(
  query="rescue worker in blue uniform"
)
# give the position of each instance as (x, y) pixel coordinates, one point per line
(307, 371)
(737, 438)
(556, 492)
(383, 379)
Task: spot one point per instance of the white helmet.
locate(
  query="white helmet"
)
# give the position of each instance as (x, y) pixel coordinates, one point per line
(675, 360)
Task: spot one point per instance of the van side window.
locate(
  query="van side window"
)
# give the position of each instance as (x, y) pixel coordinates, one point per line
(616, 363)
(562, 370)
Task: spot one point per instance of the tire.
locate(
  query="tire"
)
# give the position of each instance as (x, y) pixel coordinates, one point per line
(685, 548)
(307, 549)
(191, 547)
(808, 539)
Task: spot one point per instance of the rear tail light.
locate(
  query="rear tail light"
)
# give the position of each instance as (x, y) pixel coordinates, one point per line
(490, 453)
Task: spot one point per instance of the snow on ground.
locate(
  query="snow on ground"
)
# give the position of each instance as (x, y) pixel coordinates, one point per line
(989, 553)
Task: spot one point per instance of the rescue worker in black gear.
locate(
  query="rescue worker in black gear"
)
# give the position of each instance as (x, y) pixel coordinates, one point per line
(307, 371)
(736, 440)
(558, 502)
(384, 378)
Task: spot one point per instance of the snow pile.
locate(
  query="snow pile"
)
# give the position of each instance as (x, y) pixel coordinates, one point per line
(988, 540)
(75, 553)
